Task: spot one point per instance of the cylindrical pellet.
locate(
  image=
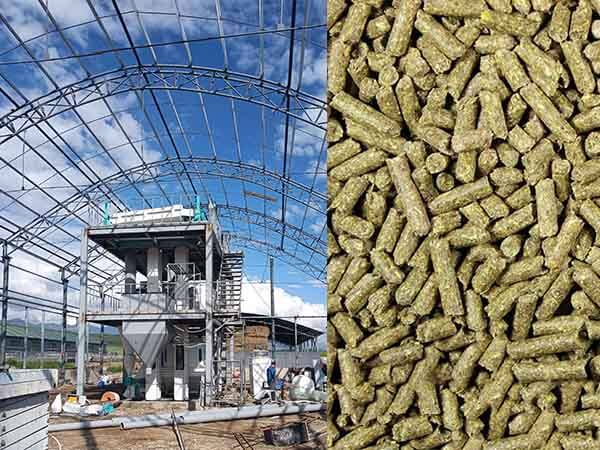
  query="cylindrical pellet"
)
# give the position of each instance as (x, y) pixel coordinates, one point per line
(414, 207)
(478, 139)
(464, 367)
(492, 114)
(360, 437)
(435, 329)
(526, 372)
(546, 208)
(487, 274)
(545, 345)
(350, 370)
(443, 39)
(565, 241)
(461, 196)
(399, 37)
(523, 316)
(373, 137)
(358, 296)
(357, 227)
(522, 270)
(347, 329)
(412, 428)
(354, 109)
(446, 277)
(355, 271)
(555, 295)
(579, 67)
(547, 112)
(355, 22)
(359, 165)
(380, 340)
(517, 221)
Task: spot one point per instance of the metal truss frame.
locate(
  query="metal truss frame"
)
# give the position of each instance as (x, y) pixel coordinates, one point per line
(221, 82)
(147, 78)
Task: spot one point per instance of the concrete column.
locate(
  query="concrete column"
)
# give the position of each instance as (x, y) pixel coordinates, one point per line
(83, 286)
(182, 256)
(154, 269)
(130, 271)
(4, 323)
(209, 314)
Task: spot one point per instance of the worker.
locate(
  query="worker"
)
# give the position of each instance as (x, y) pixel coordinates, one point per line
(271, 375)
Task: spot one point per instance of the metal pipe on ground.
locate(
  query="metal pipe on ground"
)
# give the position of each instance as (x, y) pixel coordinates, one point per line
(191, 417)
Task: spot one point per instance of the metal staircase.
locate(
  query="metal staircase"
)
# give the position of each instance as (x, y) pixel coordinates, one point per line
(229, 286)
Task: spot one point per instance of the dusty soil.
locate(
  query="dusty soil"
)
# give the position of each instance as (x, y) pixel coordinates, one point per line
(210, 436)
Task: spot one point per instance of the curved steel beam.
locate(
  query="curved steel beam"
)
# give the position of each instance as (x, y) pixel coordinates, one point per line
(271, 223)
(248, 216)
(308, 267)
(194, 165)
(221, 82)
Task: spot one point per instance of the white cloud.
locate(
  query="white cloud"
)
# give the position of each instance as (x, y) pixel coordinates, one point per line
(256, 299)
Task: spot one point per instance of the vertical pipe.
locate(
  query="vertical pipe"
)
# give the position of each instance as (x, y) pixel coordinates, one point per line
(102, 344)
(83, 285)
(25, 338)
(43, 336)
(209, 313)
(272, 308)
(63, 334)
(4, 323)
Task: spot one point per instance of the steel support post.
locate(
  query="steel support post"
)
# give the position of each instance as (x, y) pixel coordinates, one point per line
(43, 337)
(4, 323)
(102, 343)
(272, 308)
(209, 314)
(81, 340)
(243, 363)
(296, 342)
(63, 333)
(25, 338)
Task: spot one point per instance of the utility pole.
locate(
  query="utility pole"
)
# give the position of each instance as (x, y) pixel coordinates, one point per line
(272, 308)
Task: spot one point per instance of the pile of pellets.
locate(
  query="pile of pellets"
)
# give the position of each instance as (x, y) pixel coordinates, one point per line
(464, 224)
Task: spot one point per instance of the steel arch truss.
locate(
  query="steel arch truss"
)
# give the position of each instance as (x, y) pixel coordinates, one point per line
(221, 82)
(312, 261)
(197, 166)
(307, 266)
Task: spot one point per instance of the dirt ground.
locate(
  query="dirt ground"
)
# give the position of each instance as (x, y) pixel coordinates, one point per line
(210, 436)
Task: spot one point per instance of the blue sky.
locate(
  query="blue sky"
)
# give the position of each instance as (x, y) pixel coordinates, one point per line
(127, 131)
